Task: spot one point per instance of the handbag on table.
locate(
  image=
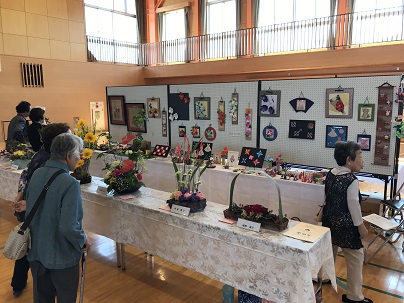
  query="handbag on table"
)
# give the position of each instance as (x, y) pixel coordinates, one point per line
(19, 240)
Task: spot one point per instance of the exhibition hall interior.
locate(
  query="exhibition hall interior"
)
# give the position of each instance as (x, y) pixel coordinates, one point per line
(212, 151)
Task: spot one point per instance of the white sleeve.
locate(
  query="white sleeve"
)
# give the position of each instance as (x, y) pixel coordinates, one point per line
(353, 203)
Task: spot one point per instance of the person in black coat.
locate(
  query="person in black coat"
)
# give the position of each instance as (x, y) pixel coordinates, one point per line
(37, 116)
(18, 127)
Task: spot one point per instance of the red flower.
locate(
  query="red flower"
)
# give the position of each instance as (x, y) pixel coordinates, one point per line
(127, 165)
(116, 173)
(139, 177)
(225, 151)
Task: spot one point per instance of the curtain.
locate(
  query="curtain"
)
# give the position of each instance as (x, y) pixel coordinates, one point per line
(160, 51)
(255, 11)
(187, 34)
(332, 25)
(141, 18)
(239, 33)
(203, 28)
(351, 20)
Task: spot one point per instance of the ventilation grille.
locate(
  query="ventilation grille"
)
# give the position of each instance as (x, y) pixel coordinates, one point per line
(32, 75)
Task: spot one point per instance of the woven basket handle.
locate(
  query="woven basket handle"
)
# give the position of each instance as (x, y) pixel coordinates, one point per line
(233, 182)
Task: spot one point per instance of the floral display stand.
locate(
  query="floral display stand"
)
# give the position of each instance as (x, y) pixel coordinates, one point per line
(256, 212)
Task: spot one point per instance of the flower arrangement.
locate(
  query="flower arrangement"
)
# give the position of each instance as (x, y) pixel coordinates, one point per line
(188, 177)
(121, 175)
(87, 133)
(22, 152)
(399, 126)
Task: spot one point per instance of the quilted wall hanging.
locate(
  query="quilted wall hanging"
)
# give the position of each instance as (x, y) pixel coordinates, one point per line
(179, 102)
(252, 157)
(302, 129)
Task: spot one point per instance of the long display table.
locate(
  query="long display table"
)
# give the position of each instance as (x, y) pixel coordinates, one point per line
(299, 199)
(266, 264)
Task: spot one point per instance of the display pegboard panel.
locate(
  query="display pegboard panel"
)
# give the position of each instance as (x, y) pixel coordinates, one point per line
(140, 94)
(233, 136)
(314, 152)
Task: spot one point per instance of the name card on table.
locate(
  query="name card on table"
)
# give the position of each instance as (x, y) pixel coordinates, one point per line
(181, 210)
(102, 190)
(250, 225)
(14, 166)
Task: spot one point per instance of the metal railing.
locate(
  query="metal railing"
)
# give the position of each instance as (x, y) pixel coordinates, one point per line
(340, 31)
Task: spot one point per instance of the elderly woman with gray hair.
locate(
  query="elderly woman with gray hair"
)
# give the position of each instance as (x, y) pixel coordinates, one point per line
(56, 230)
(342, 214)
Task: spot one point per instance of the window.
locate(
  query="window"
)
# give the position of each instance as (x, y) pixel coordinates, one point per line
(288, 25)
(111, 29)
(173, 25)
(377, 21)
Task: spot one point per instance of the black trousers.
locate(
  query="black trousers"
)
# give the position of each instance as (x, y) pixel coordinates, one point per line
(20, 275)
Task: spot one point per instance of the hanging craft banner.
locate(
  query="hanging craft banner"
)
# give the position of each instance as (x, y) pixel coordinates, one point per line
(221, 116)
(179, 103)
(164, 123)
(270, 133)
(234, 108)
(383, 124)
(248, 122)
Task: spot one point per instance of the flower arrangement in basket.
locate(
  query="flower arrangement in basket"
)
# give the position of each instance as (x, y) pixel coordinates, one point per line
(87, 133)
(187, 174)
(125, 175)
(257, 212)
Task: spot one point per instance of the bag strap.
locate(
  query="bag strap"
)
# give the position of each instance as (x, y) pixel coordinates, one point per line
(38, 201)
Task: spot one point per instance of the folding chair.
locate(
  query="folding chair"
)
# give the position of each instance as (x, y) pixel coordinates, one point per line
(391, 228)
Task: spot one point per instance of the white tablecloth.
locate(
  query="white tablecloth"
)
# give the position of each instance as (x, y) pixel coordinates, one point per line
(266, 264)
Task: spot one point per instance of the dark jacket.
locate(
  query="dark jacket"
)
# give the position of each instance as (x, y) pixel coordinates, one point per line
(18, 129)
(34, 136)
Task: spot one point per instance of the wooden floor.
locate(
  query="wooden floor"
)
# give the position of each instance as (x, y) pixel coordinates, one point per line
(168, 283)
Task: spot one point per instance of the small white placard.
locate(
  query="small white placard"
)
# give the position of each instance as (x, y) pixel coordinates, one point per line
(181, 210)
(102, 190)
(250, 225)
(14, 166)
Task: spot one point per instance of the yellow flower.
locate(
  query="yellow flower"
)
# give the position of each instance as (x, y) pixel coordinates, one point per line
(90, 137)
(80, 163)
(78, 132)
(19, 153)
(80, 123)
(87, 153)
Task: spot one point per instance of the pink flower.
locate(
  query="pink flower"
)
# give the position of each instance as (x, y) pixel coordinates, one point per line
(200, 195)
(139, 176)
(177, 195)
(116, 172)
(248, 132)
(187, 195)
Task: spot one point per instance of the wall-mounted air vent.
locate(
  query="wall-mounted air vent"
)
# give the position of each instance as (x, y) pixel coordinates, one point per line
(32, 75)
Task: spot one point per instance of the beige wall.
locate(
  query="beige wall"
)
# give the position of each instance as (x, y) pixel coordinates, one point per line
(69, 86)
(50, 29)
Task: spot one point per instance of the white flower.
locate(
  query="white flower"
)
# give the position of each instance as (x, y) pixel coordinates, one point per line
(170, 110)
(129, 152)
(115, 163)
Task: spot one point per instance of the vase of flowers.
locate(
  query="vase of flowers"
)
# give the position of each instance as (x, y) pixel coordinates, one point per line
(125, 175)
(257, 212)
(187, 174)
(87, 133)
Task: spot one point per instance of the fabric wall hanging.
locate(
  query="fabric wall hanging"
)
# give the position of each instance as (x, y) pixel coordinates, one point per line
(383, 124)
(182, 131)
(161, 151)
(366, 111)
(164, 123)
(210, 133)
(301, 104)
(252, 157)
(196, 131)
(334, 134)
(221, 115)
(364, 140)
(133, 111)
(270, 133)
(202, 108)
(339, 102)
(203, 150)
(248, 123)
(153, 107)
(179, 102)
(302, 129)
(233, 105)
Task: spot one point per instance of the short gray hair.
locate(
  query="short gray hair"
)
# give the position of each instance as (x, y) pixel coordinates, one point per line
(65, 144)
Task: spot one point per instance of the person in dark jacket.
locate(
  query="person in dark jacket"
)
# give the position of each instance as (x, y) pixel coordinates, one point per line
(37, 117)
(18, 127)
(21, 266)
(342, 214)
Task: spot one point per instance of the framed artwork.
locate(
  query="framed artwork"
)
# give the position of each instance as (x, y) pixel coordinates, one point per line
(252, 157)
(116, 110)
(221, 116)
(196, 131)
(161, 151)
(153, 107)
(364, 141)
(179, 103)
(301, 104)
(302, 129)
(202, 108)
(334, 134)
(366, 112)
(182, 130)
(339, 103)
(133, 110)
(233, 158)
(234, 108)
(217, 158)
(270, 102)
